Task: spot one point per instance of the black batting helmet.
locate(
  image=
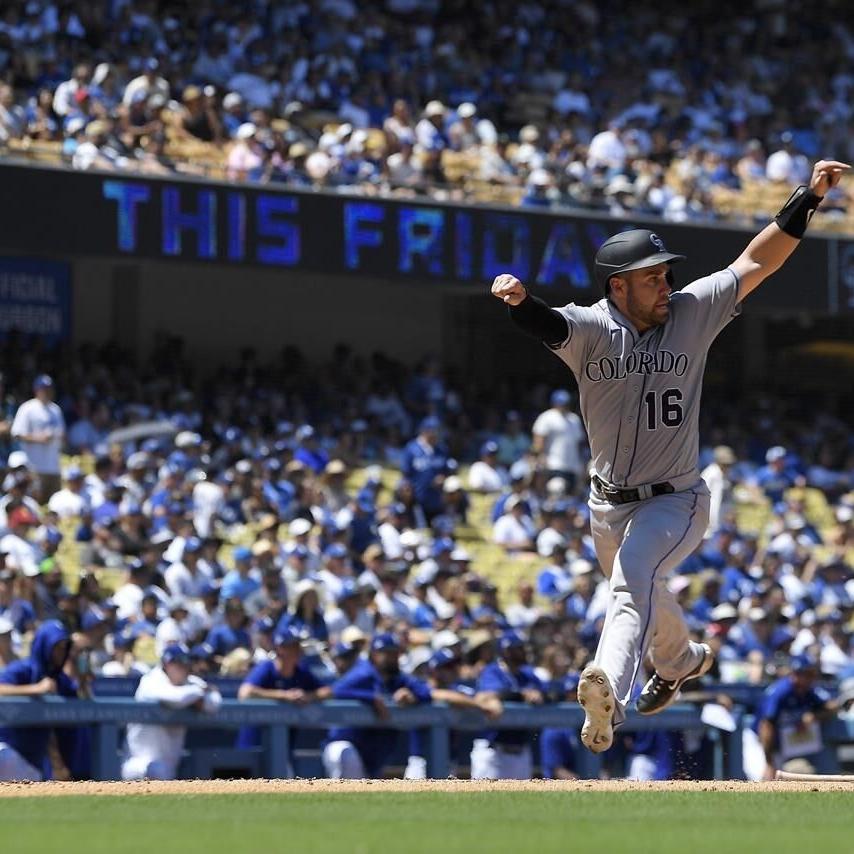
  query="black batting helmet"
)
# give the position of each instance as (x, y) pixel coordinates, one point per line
(630, 250)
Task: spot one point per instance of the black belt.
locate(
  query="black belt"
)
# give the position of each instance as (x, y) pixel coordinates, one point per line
(625, 496)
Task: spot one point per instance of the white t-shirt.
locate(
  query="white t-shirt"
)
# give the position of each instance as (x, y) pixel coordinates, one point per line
(25, 555)
(390, 539)
(521, 616)
(33, 416)
(562, 432)
(485, 478)
(510, 531)
(182, 582)
(547, 539)
(67, 504)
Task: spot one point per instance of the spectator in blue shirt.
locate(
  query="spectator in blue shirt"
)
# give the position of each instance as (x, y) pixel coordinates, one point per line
(350, 752)
(241, 582)
(232, 633)
(309, 451)
(425, 464)
(18, 611)
(306, 619)
(777, 475)
(24, 750)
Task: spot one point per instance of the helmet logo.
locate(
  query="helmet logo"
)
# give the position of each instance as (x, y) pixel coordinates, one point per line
(657, 242)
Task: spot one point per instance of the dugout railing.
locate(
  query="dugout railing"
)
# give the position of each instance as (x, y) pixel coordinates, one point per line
(106, 718)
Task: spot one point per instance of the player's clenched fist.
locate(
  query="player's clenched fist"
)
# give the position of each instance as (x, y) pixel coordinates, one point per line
(508, 289)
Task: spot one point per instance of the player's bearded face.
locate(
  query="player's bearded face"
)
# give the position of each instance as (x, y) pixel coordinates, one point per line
(648, 296)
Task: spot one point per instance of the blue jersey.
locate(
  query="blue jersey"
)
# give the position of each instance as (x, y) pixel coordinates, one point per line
(266, 675)
(774, 483)
(364, 682)
(224, 639)
(497, 678)
(558, 749)
(316, 459)
(32, 742)
(236, 586)
(421, 465)
(313, 628)
(553, 580)
(784, 707)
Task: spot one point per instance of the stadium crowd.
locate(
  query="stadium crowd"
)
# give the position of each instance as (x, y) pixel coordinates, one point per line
(547, 103)
(355, 530)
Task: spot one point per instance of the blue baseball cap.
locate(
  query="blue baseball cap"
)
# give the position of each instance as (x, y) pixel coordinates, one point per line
(53, 536)
(431, 422)
(124, 639)
(348, 591)
(443, 544)
(202, 652)
(800, 663)
(208, 587)
(298, 550)
(287, 636)
(232, 434)
(42, 381)
(336, 550)
(242, 553)
(304, 432)
(489, 447)
(383, 641)
(342, 650)
(509, 640)
(265, 625)
(570, 682)
(561, 397)
(92, 618)
(192, 545)
(175, 652)
(442, 658)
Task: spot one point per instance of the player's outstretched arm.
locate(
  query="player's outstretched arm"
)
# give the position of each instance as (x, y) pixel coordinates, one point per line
(767, 252)
(528, 312)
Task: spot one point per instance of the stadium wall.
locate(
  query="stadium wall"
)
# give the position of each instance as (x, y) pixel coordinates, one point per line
(92, 256)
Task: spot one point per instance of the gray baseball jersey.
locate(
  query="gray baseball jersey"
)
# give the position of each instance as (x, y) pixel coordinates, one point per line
(640, 394)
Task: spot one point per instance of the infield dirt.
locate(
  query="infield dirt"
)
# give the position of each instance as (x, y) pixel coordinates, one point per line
(240, 787)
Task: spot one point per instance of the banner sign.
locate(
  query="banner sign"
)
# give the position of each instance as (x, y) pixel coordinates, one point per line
(35, 298)
(70, 213)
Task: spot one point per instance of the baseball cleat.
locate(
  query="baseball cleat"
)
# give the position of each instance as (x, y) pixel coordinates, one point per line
(658, 693)
(597, 699)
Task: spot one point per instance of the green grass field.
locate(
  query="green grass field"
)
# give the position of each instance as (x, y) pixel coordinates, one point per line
(443, 822)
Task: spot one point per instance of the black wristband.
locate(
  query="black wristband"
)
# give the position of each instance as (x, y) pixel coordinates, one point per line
(795, 215)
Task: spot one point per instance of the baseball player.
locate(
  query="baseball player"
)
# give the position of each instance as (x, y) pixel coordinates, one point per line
(638, 356)
(285, 677)
(154, 751)
(506, 754)
(352, 753)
